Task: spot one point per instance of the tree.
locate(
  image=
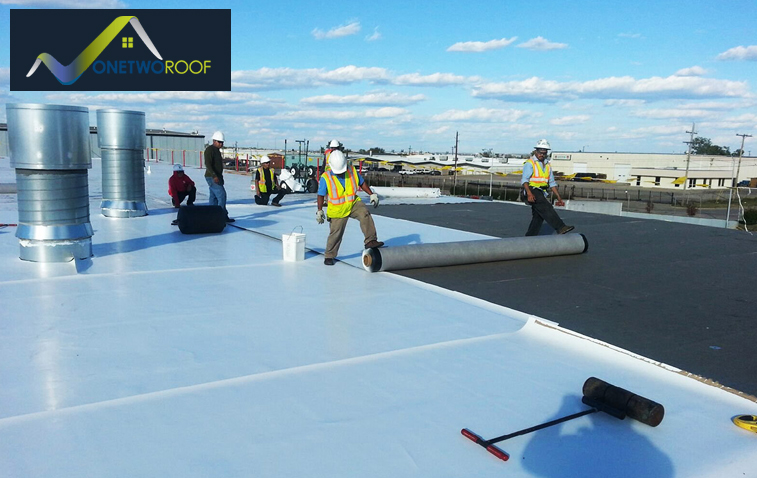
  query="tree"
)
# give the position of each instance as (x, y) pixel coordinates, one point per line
(702, 145)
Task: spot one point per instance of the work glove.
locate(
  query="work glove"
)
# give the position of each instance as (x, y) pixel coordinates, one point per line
(374, 200)
(320, 216)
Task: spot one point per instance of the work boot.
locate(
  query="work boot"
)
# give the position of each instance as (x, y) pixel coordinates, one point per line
(175, 222)
(565, 229)
(372, 244)
(328, 261)
(230, 219)
(275, 204)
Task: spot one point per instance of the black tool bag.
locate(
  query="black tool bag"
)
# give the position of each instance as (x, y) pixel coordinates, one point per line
(201, 219)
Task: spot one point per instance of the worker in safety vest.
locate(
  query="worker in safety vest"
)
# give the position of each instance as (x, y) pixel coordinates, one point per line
(537, 180)
(265, 180)
(340, 185)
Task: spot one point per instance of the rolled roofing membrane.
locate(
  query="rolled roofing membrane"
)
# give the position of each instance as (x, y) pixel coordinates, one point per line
(415, 256)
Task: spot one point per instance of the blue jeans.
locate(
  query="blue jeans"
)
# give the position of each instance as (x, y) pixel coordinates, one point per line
(216, 195)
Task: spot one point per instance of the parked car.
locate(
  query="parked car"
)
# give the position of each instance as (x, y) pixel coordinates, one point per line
(743, 184)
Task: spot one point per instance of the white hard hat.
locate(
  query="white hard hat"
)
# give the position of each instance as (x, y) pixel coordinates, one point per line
(177, 167)
(338, 162)
(265, 159)
(218, 136)
(334, 144)
(542, 144)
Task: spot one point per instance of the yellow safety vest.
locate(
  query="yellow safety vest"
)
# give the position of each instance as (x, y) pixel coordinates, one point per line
(341, 198)
(540, 176)
(262, 188)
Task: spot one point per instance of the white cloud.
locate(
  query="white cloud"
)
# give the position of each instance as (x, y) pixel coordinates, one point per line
(740, 53)
(5, 76)
(626, 87)
(667, 113)
(338, 115)
(481, 115)
(66, 3)
(375, 36)
(623, 102)
(630, 35)
(434, 79)
(664, 130)
(378, 98)
(352, 28)
(542, 44)
(387, 112)
(158, 97)
(570, 120)
(693, 71)
(286, 78)
(478, 46)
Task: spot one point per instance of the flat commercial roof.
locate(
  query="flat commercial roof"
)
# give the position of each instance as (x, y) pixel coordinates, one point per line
(208, 355)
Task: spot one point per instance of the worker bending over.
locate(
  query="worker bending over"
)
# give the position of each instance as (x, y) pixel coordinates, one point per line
(340, 185)
(537, 180)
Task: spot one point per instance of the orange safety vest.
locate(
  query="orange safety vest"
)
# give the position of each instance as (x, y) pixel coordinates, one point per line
(540, 176)
(341, 198)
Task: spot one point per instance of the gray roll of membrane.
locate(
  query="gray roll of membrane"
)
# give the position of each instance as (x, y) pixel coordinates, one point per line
(415, 256)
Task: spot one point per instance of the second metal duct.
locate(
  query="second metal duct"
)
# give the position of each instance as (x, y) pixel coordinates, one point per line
(121, 137)
(469, 252)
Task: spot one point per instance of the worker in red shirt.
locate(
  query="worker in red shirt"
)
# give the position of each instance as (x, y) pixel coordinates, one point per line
(180, 187)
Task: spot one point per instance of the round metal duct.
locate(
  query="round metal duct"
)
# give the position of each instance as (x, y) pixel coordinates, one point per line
(49, 148)
(121, 137)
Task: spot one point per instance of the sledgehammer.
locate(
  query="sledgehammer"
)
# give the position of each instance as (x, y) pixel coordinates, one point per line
(599, 395)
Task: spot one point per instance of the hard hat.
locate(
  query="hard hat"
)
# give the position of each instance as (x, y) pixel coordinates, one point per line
(265, 159)
(334, 144)
(218, 136)
(338, 162)
(177, 167)
(542, 144)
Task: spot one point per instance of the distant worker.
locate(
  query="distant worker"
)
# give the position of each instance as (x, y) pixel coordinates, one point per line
(214, 173)
(340, 184)
(537, 180)
(180, 186)
(266, 183)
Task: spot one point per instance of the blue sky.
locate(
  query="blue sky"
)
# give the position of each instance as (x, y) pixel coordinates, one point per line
(599, 76)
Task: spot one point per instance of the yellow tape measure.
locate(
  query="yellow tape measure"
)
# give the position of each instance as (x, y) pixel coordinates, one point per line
(747, 422)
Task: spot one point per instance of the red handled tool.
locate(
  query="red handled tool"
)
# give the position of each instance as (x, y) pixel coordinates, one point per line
(599, 395)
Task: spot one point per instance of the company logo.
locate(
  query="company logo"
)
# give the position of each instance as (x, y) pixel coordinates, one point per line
(197, 62)
(69, 74)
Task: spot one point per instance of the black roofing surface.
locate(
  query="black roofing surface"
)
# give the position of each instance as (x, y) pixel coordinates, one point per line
(680, 294)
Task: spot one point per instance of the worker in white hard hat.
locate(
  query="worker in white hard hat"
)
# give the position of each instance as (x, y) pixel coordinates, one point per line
(181, 186)
(267, 183)
(214, 173)
(340, 185)
(537, 180)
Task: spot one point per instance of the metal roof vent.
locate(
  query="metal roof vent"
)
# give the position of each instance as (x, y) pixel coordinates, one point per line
(121, 137)
(49, 148)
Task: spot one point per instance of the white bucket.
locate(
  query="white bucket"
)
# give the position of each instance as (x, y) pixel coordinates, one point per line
(294, 246)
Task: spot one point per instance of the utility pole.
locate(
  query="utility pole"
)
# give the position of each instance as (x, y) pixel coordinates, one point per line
(688, 154)
(741, 152)
(454, 187)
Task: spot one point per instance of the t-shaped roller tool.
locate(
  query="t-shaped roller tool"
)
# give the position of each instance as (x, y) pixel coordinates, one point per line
(599, 395)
